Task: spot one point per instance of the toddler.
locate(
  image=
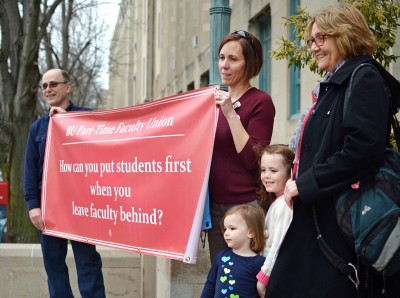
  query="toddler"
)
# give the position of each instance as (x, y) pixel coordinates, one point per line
(233, 271)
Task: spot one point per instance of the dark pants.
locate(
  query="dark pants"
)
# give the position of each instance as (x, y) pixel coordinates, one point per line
(88, 267)
(216, 241)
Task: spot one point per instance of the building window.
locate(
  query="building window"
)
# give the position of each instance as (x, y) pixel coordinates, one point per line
(265, 38)
(294, 72)
(190, 86)
(205, 79)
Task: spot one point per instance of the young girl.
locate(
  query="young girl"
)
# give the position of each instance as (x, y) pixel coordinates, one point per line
(275, 162)
(233, 271)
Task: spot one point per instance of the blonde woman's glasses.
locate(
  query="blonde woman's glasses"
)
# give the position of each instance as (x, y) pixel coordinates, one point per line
(319, 40)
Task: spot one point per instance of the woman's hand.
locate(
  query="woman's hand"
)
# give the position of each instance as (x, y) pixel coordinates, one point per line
(239, 133)
(290, 192)
(223, 99)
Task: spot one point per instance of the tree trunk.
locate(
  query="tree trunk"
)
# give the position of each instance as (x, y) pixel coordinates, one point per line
(23, 24)
(20, 228)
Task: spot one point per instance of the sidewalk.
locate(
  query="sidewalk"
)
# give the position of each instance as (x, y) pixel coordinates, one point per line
(126, 274)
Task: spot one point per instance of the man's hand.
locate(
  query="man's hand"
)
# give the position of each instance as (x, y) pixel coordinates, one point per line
(35, 216)
(55, 110)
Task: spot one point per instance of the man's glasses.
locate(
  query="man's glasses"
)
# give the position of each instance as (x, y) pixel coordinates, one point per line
(319, 40)
(52, 84)
(242, 33)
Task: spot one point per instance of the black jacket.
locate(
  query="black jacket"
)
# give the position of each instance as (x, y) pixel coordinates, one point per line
(338, 148)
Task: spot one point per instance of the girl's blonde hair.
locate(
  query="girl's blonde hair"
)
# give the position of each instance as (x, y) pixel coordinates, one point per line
(255, 219)
(265, 197)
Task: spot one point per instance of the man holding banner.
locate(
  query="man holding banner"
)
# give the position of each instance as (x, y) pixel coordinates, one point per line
(127, 198)
(56, 86)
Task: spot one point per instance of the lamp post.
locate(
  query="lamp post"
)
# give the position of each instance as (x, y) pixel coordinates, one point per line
(220, 18)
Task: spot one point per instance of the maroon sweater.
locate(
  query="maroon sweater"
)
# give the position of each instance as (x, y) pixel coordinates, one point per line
(233, 176)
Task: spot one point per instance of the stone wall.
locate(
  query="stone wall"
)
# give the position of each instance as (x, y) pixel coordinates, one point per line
(23, 275)
(126, 274)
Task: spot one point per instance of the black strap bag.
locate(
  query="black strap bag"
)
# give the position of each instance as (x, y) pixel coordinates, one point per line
(369, 215)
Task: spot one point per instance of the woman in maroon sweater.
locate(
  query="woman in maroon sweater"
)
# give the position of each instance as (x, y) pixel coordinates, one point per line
(246, 119)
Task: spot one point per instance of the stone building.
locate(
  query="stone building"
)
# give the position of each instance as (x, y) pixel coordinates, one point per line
(163, 47)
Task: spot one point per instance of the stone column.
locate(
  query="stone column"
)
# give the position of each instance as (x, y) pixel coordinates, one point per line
(220, 18)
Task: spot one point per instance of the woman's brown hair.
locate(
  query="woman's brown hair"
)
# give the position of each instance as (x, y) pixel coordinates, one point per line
(251, 48)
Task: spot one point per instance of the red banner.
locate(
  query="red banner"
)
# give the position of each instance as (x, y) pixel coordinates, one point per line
(133, 178)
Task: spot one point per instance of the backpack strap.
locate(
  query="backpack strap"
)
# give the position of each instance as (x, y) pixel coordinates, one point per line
(347, 269)
(394, 121)
(396, 131)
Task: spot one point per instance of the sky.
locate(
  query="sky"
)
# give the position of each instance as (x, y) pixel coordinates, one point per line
(109, 10)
